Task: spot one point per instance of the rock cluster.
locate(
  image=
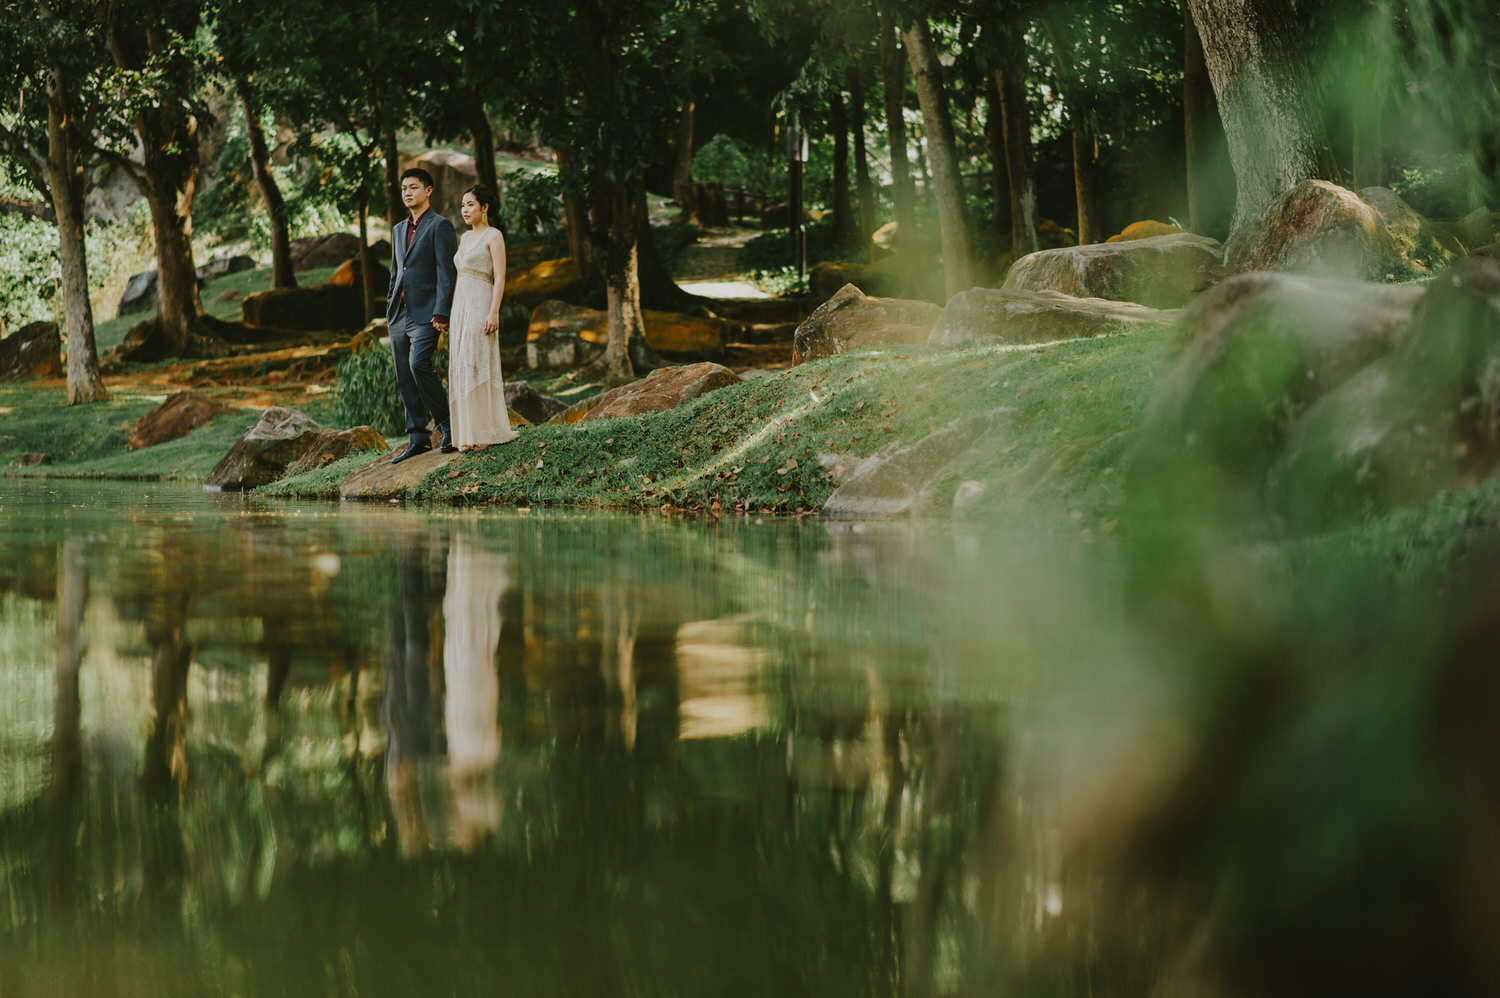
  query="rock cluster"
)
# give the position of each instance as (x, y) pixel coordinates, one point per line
(33, 351)
(851, 319)
(265, 452)
(664, 388)
(177, 416)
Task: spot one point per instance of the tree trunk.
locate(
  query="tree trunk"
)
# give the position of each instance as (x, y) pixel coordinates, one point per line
(168, 177)
(658, 288)
(627, 354)
(942, 153)
(1210, 182)
(843, 214)
(72, 598)
(893, 70)
(864, 189)
(682, 164)
(994, 132)
(1019, 164)
(1369, 159)
(484, 148)
(1272, 117)
(165, 771)
(395, 211)
(576, 216)
(65, 181)
(282, 275)
(169, 139)
(367, 263)
(1085, 182)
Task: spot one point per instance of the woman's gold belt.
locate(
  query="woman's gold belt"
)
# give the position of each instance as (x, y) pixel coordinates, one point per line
(478, 275)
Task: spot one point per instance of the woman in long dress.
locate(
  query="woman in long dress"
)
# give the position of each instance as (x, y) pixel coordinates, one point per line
(476, 392)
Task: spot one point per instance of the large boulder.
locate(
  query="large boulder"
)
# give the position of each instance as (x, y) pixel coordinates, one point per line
(533, 405)
(1424, 417)
(1323, 229)
(177, 416)
(1246, 360)
(139, 294)
(331, 250)
(332, 445)
(33, 351)
(546, 280)
(223, 266)
(1160, 271)
(898, 479)
(452, 174)
(382, 480)
(985, 315)
(664, 388)
(561, 348)
(266, 450)
(325, 306)
(349, 275)
(673, 335)
(851, 319)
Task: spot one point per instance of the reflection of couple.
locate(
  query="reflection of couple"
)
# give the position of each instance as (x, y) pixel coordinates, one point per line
(439, 800)
(440, 283)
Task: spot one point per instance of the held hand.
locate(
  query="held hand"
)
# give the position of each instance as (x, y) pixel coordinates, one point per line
(440, 325)
(492, 324)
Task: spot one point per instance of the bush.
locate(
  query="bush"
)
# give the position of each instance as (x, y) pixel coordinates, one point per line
(734, 164)
(367, 394)
(30, 281)
(532, 202)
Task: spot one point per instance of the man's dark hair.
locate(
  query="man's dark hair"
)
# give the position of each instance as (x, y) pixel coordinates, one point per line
(420, 174)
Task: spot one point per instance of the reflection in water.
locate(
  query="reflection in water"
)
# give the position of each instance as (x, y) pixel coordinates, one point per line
(724, 759)
(440, 761)
(263, 750)
(471, 638)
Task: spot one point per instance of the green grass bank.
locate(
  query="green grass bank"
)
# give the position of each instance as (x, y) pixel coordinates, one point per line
(755, 446)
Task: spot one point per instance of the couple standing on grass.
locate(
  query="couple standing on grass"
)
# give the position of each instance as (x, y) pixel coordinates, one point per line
(440, 283)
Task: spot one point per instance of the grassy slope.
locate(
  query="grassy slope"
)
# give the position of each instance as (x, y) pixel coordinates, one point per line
(756, 444)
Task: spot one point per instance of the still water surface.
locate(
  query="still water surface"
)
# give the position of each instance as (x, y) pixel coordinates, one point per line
(252, 748)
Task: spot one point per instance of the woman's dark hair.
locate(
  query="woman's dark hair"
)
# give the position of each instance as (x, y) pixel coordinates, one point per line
(487, 199)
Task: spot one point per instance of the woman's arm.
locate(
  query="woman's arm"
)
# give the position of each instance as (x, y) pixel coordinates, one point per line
(497, 259)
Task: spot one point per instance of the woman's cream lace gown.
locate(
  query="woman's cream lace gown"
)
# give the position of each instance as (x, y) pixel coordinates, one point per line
(476, 392)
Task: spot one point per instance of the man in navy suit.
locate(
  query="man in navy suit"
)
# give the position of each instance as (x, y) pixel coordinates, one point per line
(417, 308)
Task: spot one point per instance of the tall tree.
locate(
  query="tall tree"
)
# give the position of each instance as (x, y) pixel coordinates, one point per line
(606, 82)
(864, 188)
(329, 66)
(893, 76)
(1273, 118)
(282, 274)
(48, 60)
(153, 44)
(942, 152)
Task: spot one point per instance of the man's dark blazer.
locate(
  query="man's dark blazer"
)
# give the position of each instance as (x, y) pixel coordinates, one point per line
(424, 272)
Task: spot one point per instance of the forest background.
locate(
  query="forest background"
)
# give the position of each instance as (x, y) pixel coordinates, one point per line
(175, 129)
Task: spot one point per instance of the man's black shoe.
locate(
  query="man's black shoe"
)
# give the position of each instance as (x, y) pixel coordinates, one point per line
(448, 446)
(412, 450)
